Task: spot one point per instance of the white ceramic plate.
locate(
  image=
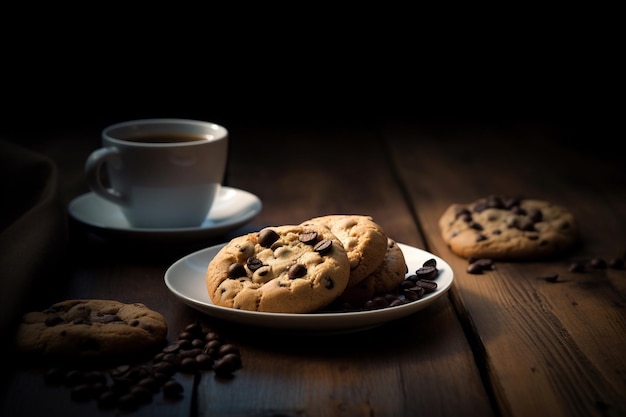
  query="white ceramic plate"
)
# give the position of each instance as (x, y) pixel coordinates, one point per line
(231, 209)
(186, 279)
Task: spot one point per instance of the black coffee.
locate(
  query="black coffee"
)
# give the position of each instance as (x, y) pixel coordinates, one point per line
(166, 137)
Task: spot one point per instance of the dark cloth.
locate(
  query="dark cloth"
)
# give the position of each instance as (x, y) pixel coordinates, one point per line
(33, 229)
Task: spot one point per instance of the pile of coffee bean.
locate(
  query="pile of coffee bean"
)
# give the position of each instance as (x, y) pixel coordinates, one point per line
(414, 287)
(129, 386)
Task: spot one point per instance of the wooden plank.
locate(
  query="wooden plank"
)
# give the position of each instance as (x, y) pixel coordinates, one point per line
(549, 348)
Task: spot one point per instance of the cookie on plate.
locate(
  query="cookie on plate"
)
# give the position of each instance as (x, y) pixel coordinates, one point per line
(91, 328)
(364, 240)
(280, 269)
(385, 279)
(508, 228)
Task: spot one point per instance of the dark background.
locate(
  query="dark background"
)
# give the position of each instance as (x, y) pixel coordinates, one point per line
(82, 69)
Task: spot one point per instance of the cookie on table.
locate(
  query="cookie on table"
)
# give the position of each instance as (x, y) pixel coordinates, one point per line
(364, 240)
(281, 269)
(91, 328)
(508, 228)
(385, 279)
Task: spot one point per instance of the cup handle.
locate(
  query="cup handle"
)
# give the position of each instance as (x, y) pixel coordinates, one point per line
(93, 171)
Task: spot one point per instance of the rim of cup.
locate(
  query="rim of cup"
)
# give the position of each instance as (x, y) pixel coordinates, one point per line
(167, 125)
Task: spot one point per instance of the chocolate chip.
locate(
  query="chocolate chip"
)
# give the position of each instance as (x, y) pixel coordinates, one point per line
(462, 211)
(480, 206)
(297, 271)
(236, 270)
(267, 237)
(495, 202)
(323, 246)
(535, 215)
(53, 320)
(308, 238)
(329, 283)
(254, 264)
(511, 202)
(481, 237)
(476, 226)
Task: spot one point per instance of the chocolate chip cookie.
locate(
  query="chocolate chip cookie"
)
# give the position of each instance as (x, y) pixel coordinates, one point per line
(508, 228)
(364, 240)
(281, 269)
(385, 279)
(91, 328)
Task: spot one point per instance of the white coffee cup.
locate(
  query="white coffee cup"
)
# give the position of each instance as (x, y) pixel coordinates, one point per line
(162, 173)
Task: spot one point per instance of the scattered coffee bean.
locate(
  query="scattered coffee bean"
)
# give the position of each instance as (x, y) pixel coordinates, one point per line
(172, 389)
(127, 387)
(550, 276)
(474, 268)
(577, 267)
(616, 263)
(598, 263)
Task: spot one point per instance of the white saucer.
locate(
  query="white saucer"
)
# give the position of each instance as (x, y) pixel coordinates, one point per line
(186, 280)
(231, 209)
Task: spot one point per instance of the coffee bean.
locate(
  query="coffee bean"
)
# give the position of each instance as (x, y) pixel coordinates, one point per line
(172, 389)
(431, 262)
(598, 263)
(428, 285)
(228, 348)
(81, 392)
(550, 276)
(485, 263)
(616, 263)
(107, 400)
(474, 268)
(426, 272)
(577, 267)
(134, 385)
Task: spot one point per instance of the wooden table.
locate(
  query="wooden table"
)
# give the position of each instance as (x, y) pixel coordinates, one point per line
(502, 343)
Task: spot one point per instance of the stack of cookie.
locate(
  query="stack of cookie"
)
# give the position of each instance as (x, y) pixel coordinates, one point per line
(304, 268)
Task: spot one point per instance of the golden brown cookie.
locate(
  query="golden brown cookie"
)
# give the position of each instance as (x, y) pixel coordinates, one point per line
(364, 240)
(508, 229)
(91, 328)
(281, 269)
(392, 270)
(385, 279)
